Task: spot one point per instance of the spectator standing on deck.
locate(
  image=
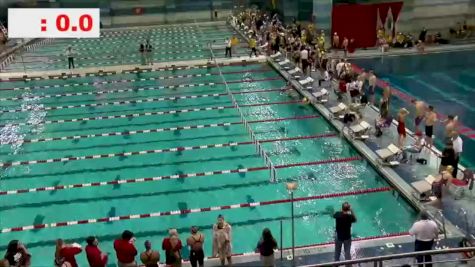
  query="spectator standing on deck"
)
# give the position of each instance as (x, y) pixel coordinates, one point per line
(222, 239)
(172, 247)
(195, 242)
(430, 120)
(265, 247)
(70, 56)
(401, 127)
(304, 60)
(343, 221)
(148, 53)
(450, 126)
(228, 47)
(95, 256)
(125, 250)
(420, 107)
(448, 156)
(372, 80)
(142, 54)
(17, 254)
(65, 255)
(149, 257)
(457, 143)
(425, 231)
(252, 46)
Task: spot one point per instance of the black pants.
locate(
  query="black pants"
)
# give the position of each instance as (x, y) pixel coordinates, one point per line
(71, 62)
(196, 257)
(422, 246)
(228, 51)
(253, 50)
(456, 164)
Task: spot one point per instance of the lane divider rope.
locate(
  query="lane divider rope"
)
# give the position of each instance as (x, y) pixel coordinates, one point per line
(196, 210)
(158, 130)
(144, 114)
(175, 176)
(127, 102)
(128, 80)
(158, 151)
(130, 90)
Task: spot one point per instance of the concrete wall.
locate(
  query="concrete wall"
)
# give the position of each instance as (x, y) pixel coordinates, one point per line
(435, 14)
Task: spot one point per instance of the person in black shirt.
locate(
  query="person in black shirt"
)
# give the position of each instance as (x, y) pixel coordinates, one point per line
(448, 156)
(265, 247)
(422, 35)
(343, 221)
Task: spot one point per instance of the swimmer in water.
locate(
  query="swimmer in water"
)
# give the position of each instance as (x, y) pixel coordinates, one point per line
(420, 113)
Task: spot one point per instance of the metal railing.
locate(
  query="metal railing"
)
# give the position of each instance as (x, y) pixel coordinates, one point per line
(378, 261)
(259, 149)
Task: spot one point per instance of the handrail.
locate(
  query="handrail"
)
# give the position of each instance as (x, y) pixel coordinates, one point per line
(259, 149)
(442, 218)
(395, 256)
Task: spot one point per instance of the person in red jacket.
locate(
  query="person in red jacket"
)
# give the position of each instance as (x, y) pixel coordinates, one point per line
(65, 254)
(95, 256)
(125, 250)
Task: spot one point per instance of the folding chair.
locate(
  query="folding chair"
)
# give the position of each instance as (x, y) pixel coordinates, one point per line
(360, 130)
(337, 110)
(321, 96)
(388, 156)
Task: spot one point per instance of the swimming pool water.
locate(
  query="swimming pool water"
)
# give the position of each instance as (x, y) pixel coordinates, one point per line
(444, 80)
(118, 47)
(378, 213)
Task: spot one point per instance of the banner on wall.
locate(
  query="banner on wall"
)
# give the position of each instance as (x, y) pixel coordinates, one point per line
(359, 21)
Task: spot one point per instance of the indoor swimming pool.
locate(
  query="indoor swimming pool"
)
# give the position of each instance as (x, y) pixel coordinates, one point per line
(121, 47)
(153, 150)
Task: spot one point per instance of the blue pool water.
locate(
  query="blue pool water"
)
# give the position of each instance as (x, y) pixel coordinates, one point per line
(444, 80)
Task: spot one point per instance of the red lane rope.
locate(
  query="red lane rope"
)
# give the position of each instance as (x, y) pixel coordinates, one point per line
(138, 101)
(157, 151)
(158, 130)
(197, 210)
(130, 80)
(175, 176)
(153, 113)
(128, 89)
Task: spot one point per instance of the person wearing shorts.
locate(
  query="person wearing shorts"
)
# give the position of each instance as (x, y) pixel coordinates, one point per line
(430, 119)
(371, 86)
(195, 242)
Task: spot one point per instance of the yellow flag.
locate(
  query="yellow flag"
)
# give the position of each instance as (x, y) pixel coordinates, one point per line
(274, 4)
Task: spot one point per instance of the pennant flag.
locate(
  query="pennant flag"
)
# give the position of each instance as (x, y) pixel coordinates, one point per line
(389, 24)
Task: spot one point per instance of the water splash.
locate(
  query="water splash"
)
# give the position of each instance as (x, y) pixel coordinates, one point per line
(11, 135)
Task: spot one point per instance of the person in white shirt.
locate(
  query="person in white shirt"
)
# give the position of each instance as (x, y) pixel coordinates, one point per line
(425, 231)
(372, 80)
(228, 44)
(458, 149)
(339, 67)
(304, 60)
(70, 56)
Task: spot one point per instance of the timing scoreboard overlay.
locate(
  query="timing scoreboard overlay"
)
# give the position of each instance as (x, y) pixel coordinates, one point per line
(53, 23)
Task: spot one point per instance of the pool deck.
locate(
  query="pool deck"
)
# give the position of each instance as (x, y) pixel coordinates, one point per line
(111, 70)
